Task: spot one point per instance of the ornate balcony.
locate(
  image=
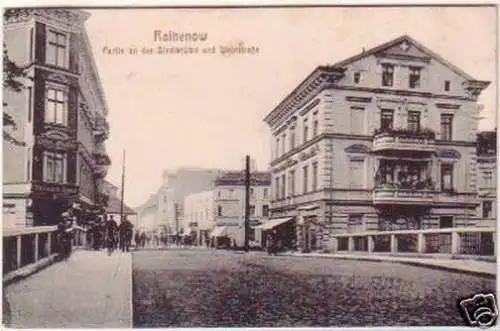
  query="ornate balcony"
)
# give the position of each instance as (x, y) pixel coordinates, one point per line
(100, 171)
(101, 129)
(404, 140)
(101, 156)
(400, 196)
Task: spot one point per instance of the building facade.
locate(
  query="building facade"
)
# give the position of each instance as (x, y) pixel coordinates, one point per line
(60, 115)
(487, 179)
(199, 215)
(229, 203)
(165, 207)
(383, 140)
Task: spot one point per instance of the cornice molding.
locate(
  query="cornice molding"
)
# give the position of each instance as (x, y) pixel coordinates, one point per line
(303, 93)
(68, 19)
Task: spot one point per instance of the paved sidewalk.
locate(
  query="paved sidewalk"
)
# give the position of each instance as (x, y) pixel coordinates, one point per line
(90, 290)
(474, 267)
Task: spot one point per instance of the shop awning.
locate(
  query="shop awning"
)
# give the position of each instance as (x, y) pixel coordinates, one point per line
(219, 231)
(273, 223)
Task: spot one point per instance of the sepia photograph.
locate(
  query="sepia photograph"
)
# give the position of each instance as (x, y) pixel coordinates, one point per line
(250, 166)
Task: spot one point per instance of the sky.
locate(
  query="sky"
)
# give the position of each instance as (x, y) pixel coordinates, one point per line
(207, 110)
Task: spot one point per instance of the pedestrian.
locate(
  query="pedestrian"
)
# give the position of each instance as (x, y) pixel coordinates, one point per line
(111, 233)
(137, 239)
(64, 230)
(126, 230)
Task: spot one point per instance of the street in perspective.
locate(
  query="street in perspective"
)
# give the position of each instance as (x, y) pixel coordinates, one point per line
(180, 169)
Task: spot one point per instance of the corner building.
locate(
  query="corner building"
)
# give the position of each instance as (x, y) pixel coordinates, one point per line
(383, 140)
(60, 115)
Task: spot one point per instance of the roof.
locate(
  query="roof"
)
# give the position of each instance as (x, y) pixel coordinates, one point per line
(114, 207)
(238, 178)
(399, 40)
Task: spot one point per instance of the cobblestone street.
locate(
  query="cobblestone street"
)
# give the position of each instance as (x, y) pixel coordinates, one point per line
(196, 288)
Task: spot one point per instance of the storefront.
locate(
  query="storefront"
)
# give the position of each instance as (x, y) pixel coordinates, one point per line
(281, 229)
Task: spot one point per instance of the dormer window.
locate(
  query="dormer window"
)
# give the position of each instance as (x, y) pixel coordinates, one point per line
(357, 77)
(387, 75)
(447, 85)
(414, 78)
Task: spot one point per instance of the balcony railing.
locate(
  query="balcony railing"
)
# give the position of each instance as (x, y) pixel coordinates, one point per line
(404, 140)
(101, 170)
(26, 248)
(101, 156)
(452, 241)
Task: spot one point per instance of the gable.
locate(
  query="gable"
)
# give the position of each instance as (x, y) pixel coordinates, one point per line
(405, 49)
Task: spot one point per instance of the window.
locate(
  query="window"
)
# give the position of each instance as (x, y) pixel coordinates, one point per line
(283, 185)
(265, 210)
(306, 129)
(487, 209)
(265, 193)
(413, 120)
(488, 178)
(291, 183)
(414, 78)
(277, 186)
(54, 167)
(252, 210)
(251, 192)
(283, 143)
(306, 179)
(356, 174)
(315, 176)
(218, 194)
(292, 138)
(446, 126)
(277, 146)
(219, 210)
(445, 222)
(55, 111)
(446, 177)
(386, 119)
(357, 77)
(387, 75)
(447, 85)
(57, 48)
(315, 127)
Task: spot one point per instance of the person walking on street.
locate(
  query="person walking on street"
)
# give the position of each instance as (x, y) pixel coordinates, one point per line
(126, 231)
(65, 234)
(111, 229)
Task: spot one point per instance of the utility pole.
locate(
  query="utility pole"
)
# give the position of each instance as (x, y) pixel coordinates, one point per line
(123, 187)
(247, 199)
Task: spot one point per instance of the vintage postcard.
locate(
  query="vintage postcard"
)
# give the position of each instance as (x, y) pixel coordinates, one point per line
(250, 166)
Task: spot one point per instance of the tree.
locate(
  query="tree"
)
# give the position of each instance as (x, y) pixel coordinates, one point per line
(13, 76)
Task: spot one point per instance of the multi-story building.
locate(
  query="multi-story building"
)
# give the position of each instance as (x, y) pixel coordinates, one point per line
(229, 203)
(199, 215)
(382, 140)
(60, 115)
(487, 178)
(164, 208)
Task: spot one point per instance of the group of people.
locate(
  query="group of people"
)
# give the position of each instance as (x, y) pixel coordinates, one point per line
(108, 234)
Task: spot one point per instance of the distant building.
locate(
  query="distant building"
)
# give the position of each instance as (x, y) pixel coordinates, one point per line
(199, 215)
(383, 140)
(229, 203)
(60, 115)
(165, 207)
(487, 178)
